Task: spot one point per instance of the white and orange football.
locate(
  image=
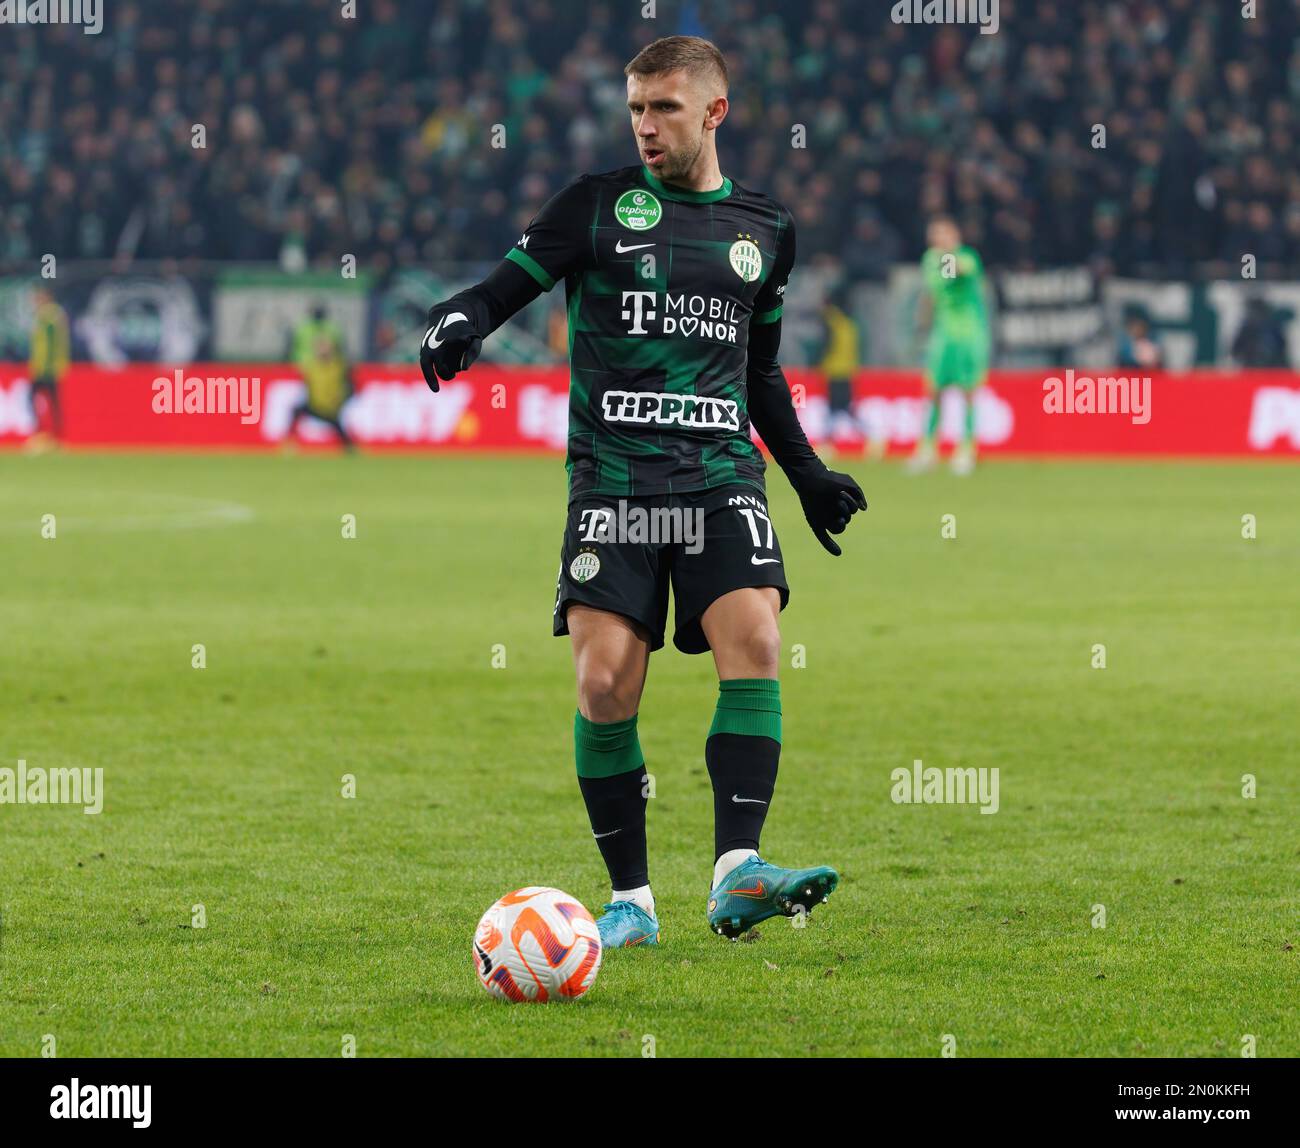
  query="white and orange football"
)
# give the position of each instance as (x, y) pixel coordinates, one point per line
(537, 944)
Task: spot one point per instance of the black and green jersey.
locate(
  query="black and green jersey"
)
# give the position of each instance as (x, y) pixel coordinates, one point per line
(662, 287)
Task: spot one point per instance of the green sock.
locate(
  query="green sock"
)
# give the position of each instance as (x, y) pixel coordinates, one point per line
(932, 420)
(749, 706)
(970, 419)
(603, 749)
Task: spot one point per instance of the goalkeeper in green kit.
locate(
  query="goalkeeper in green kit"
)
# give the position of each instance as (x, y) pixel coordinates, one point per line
(958, 352)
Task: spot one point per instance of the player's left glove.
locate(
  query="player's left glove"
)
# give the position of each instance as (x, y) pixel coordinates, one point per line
(450, 344)
(829, 500)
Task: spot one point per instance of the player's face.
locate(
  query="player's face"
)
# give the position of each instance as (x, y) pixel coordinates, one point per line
(669, 116)
(944, 236)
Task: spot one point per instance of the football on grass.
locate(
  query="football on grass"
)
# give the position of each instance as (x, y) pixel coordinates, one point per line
(537, 944)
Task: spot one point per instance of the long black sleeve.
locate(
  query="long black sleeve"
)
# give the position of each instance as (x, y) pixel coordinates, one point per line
(508, 288)
(556, 243)
(771, 408)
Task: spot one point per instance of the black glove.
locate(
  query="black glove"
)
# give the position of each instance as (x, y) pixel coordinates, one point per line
(829, 500)
(450, 344)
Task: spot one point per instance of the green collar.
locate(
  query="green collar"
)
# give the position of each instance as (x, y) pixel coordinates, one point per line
(681, 194)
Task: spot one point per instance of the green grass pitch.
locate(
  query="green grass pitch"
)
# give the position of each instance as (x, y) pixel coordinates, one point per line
(1119, 787)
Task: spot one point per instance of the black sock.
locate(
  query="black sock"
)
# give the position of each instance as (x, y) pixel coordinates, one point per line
(742, 768)
(612, 777)
(616, 807)
(742, 753)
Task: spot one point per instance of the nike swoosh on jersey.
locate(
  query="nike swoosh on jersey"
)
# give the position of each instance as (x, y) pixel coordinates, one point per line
(757, 561)
(634, 247)
(431, 339)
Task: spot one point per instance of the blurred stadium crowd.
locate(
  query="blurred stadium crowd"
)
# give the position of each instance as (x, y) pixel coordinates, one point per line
(327, 135)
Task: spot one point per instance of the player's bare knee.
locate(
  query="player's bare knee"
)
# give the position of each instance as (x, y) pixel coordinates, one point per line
(604, 695)
(765, 649)
(759, 652)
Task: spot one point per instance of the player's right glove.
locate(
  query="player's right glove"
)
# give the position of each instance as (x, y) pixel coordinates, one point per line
(829, 500)
(450, 344)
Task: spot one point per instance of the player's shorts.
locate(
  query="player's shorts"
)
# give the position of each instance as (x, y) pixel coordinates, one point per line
(705, 544)
(957, 362)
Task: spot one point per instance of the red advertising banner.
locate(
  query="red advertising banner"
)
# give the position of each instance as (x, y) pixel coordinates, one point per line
(512, 408)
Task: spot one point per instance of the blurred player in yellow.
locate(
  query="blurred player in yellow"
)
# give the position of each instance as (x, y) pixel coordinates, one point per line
(47, 363)
(958, 354)
(839, 364)
(321, 359)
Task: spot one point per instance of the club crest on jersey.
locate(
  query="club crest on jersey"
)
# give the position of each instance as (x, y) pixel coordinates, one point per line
(585, 566)
(670, 410)
(638, 210)
(746, 259)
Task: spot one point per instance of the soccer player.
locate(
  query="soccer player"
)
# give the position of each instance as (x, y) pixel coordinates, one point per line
(958, 354)
(674, 277)
(47, 363)
(320, 357)
(839, 364)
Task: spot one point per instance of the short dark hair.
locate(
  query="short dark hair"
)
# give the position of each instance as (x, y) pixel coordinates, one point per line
(694, 55)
